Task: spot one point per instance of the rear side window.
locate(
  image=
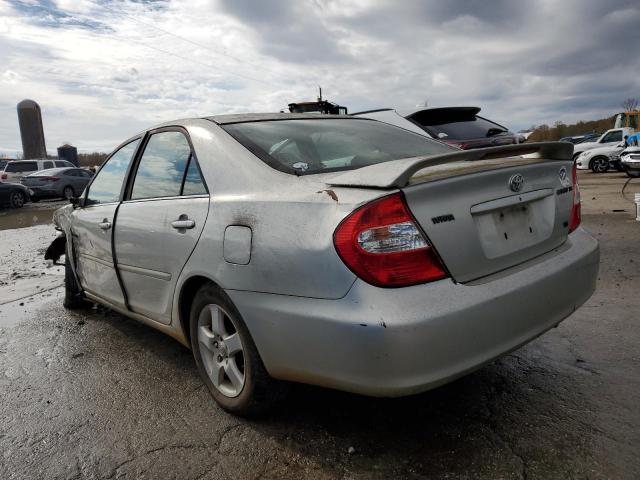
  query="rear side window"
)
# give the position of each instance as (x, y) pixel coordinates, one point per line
(46, 165)
(107, 185)
(193, 184)
(21, 167)
(63, 163)
(162, 166)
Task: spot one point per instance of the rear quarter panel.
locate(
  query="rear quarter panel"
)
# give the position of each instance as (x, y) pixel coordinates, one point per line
(292, 220)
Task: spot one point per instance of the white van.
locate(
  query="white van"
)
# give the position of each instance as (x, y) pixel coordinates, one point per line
(14, 171)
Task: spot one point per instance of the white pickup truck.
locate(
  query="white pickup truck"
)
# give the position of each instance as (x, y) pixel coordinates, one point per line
(609, 138)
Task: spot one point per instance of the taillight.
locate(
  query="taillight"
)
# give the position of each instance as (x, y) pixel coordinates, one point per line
(382, 244)
(4, 176)
(574, 221)
(51, 179)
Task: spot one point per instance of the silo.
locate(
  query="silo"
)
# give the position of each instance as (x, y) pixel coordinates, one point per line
(69, 153)
(31, 131)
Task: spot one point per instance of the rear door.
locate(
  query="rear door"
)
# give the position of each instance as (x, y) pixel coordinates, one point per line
(92, 227)
(160, 222)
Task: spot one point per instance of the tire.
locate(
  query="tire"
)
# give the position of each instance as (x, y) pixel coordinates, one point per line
(599, 165)
(17, 199)
(68, 193)
(73, 298)
(215, 321)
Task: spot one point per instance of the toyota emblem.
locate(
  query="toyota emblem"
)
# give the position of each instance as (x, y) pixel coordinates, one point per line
(562, 174)
(516, 182)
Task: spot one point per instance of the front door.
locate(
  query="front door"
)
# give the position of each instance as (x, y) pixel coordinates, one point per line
(159, 223)
(92, 225)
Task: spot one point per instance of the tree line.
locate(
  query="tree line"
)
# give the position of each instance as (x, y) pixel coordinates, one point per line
(546, 133)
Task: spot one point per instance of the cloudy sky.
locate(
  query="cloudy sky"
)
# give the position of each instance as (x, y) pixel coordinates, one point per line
(103, 70)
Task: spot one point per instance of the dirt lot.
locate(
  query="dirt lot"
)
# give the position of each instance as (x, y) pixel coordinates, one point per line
(93, 395)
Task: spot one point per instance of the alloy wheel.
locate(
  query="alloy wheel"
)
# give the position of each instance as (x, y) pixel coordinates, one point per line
(17, 199)
(221, 350)
(600, 165)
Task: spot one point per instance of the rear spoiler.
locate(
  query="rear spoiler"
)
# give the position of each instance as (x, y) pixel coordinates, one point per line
(397, 173)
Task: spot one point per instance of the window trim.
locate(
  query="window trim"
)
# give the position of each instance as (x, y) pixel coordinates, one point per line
(131, 175)
(87, 189)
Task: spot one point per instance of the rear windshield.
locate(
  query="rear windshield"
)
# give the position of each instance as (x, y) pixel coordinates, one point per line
(21, 167)
(323, 145)
(461, 127)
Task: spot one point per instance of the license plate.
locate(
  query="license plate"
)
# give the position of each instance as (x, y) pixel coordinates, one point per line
(507, 230)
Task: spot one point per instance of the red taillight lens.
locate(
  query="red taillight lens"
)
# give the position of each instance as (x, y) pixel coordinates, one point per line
(382, 244)
(4, 176)
(574, 221)
(51, 179)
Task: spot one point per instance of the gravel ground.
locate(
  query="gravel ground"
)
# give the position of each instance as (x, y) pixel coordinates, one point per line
(93, 395)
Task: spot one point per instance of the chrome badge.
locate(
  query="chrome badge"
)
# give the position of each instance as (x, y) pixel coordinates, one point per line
(562, 174)
(516, 182)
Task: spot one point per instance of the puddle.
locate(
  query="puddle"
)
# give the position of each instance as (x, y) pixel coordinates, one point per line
(13, 313)
(29, 215)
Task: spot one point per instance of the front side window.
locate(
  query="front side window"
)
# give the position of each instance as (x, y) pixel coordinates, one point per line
(47, 165)
(162, 166)
(613, 137)
(107, 185)
(309, 146)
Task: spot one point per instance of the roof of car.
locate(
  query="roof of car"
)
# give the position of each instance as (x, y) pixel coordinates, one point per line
(262, 117)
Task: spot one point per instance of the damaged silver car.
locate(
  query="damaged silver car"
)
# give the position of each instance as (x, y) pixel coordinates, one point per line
(329, 250)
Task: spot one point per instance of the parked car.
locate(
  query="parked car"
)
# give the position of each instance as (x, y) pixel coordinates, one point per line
(336, 251)
(610, 138)
(601, 160)
(630, 160)
(458, 126)
(14, 171)
(66, 182)
(13, 194)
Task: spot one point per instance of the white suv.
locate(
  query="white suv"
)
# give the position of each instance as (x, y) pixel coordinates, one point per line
(14, 171)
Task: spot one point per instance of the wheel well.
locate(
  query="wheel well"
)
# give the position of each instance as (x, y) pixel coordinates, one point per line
(187, 294)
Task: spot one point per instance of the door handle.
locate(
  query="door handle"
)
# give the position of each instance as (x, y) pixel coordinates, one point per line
(183, 222)
(105, 224)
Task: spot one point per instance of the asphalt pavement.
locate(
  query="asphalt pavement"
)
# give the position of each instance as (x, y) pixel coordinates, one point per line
(90, 394)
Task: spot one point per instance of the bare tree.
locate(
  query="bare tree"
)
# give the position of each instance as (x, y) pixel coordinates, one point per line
(630, 104)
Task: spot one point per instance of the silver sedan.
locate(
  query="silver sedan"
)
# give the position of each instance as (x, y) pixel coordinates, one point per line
(329, 250)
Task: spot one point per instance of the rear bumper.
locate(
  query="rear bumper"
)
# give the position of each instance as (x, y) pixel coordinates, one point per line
(394, 342)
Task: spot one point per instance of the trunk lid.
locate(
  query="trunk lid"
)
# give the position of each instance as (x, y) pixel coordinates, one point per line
(35, 180)
(479, 225)
(483, 210)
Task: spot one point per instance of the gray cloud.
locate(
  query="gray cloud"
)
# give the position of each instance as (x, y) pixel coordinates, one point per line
(523, 62)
